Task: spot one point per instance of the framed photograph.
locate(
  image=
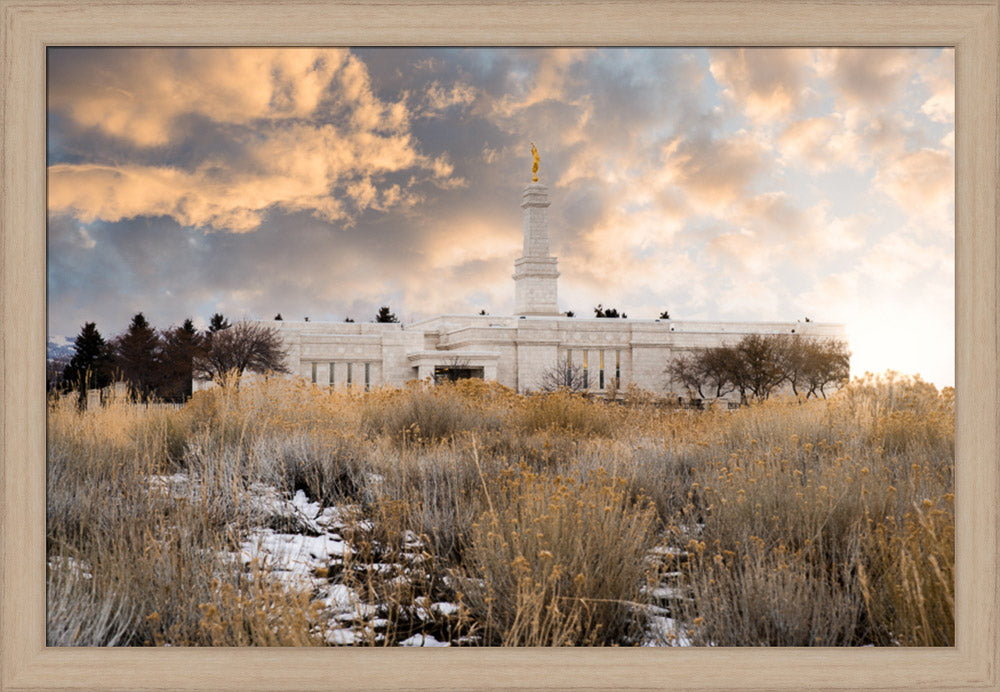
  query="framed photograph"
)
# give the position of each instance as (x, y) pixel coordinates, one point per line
(216, 161)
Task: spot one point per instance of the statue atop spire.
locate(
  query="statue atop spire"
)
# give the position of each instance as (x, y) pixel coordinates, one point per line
(534, 165)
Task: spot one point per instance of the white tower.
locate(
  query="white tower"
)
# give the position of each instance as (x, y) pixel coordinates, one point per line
(535, 272)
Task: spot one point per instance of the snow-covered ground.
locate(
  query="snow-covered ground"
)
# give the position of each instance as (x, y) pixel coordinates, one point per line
(310, 559)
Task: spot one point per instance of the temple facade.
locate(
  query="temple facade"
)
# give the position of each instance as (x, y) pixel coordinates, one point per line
(523, 350)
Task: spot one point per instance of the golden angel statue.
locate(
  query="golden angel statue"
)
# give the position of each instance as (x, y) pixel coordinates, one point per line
(534, 165)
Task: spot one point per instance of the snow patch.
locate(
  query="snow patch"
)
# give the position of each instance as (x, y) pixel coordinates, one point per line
(341, 637)
(422, 640)
(665, 631)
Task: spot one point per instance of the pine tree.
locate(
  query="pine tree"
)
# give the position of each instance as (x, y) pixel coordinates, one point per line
(217, 323)
(90, 366)
(384, 315)
(181, 345)
(138, 357)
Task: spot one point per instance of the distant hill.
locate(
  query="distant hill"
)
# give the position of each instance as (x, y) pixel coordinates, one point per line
(59, 348)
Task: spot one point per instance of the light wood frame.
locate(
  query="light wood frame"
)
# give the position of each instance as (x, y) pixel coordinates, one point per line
(972, 27)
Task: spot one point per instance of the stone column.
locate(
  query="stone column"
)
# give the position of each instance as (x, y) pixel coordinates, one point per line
(535, 273)
(425, 370)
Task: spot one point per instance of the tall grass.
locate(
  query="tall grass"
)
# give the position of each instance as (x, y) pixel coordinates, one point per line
(555, 561)
(806, 516)
(788, 523)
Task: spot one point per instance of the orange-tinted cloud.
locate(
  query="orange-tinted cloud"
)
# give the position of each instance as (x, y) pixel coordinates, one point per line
(547, 82)
(822, 142)
(939, 76)
(712, 173)
(922, 183)
(329, 170)
(767, 83)
(868, 76)
(141, 98)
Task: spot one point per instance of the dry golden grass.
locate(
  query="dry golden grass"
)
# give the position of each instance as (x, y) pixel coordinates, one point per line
(557, 561)
(797, 522)
(808, 519)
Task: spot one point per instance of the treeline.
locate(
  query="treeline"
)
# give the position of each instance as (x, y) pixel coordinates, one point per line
(760, 365)
(161, 364)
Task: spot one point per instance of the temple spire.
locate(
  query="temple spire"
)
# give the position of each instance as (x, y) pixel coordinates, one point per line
(535, 272)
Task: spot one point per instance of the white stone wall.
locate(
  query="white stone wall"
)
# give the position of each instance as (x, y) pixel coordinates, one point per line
(534, 359)
(517, 352)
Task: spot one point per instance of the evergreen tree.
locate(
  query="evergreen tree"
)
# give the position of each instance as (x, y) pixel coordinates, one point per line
(384, 315)
(217, 323)
(601, 311)
(181, 345)
(138, 358)
(90, 366)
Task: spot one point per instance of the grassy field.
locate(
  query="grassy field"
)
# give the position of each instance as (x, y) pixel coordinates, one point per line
(470, 515)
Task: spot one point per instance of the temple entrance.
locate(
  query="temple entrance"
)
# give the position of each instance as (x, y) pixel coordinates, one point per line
(453, 373)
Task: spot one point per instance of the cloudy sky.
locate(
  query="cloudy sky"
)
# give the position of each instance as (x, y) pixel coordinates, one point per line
(755, 184)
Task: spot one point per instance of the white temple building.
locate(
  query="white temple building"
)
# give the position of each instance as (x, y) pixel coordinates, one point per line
(519, 351)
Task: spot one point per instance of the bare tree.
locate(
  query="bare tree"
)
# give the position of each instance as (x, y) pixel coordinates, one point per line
(686, 371)
(563, 375)
(759, 368)
(245, 346)
(827, 362)
(707, 373)
(758, 365)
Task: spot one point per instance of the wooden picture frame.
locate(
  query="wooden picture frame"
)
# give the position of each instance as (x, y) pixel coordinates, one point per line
(972, 27)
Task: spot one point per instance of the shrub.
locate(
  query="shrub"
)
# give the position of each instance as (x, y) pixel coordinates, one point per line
(908, 576)
(328, 467)
(422, 414)
(557, 562)
(766, 595)
(793, 537)
(258, 611)
(564, 411)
